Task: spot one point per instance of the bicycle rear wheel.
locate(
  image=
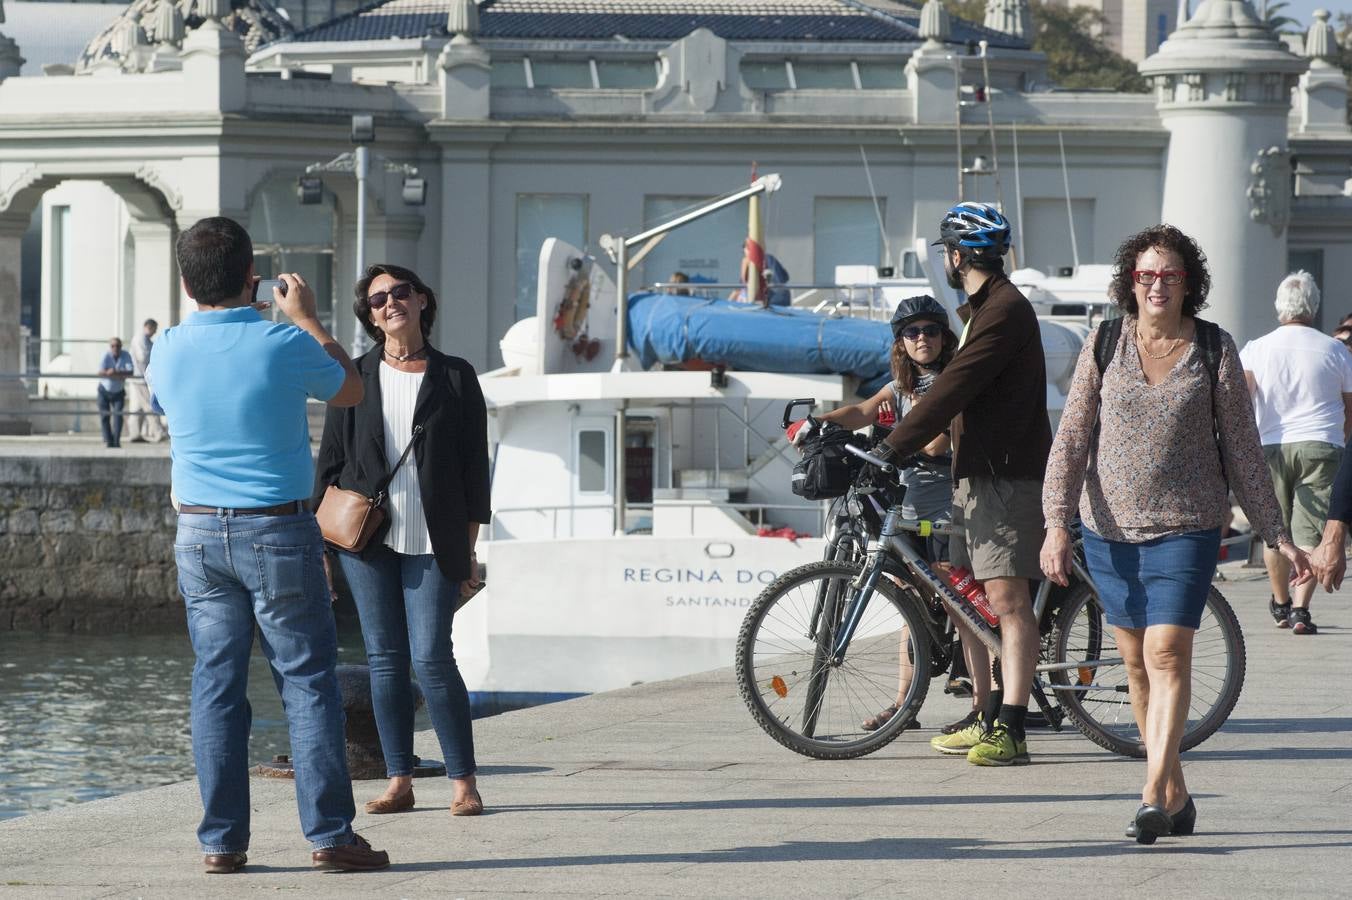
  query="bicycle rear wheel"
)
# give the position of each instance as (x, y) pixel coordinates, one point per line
(785, 673)
(1095, 696)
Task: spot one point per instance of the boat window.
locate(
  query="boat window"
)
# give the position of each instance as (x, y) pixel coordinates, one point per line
(823, 75)
(766, 75)
(561, 73)
(910, 265)
(508, 73)
(540, 216)
(881, 76)
(626, 73)
(591, 461)
(844, 232)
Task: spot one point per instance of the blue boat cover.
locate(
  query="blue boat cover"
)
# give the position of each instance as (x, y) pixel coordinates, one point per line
(671, 329)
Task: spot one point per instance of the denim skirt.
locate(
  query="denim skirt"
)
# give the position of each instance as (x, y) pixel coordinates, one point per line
(1164, 581)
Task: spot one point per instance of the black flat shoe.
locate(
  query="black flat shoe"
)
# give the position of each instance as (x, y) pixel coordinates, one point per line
(1151, 823)
(1185, 820)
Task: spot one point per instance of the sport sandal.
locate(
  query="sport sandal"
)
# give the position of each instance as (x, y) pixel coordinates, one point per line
(1301, 622)
(1281, 612)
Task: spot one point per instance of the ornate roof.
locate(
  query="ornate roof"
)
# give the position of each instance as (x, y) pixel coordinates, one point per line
(665, 20)
(257, 22)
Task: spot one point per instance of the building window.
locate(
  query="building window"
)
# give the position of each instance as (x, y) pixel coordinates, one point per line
(844, 232)
(63, 278)
(769, 75)
(823, 75)
(1162, 24)
(591, 461)
(627, 73)
(540, 216)
(881, 76)
(561, 73)
(289, 237)
(708, 250)
(508, 73)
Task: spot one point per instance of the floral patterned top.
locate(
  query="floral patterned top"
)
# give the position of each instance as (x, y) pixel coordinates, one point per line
(1157, 469)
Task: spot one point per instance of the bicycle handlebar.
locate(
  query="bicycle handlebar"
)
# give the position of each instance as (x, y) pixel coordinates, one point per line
(870, 458)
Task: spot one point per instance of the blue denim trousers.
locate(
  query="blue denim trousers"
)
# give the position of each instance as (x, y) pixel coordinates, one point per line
(110, 415)
(406, 606)
(236, 572)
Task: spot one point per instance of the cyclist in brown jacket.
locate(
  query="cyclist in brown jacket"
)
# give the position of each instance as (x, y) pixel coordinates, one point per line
(994, 394)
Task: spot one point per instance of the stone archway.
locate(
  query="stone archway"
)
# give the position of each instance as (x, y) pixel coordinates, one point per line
(151, 204)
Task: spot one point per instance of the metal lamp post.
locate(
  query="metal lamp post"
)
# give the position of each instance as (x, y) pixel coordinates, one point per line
(358, 162)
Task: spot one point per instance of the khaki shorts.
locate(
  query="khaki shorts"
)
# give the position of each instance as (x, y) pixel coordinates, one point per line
(1302, 473)
(998, 527)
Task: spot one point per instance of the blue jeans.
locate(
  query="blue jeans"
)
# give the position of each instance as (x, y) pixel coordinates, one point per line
(111, 405)
(406, 606)
(233, 572)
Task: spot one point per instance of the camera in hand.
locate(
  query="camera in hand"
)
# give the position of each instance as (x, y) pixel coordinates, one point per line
(264, 288)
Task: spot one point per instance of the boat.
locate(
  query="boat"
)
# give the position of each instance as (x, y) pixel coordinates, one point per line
(641, 478)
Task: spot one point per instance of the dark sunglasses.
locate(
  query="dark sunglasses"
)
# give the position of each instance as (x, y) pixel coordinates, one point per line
(399, 292)
(914, 332)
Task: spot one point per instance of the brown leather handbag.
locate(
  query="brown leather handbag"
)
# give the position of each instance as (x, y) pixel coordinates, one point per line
(347, 519)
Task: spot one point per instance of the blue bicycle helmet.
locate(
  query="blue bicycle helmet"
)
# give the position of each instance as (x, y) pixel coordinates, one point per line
(913, 309)
(977, 229)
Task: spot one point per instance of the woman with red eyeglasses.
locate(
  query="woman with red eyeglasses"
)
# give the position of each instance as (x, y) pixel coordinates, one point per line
(408, 579)
(1157, 431)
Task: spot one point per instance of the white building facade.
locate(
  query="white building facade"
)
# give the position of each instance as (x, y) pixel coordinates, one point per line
(577, 118)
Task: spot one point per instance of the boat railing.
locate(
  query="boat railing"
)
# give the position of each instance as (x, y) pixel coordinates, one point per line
(755, 513)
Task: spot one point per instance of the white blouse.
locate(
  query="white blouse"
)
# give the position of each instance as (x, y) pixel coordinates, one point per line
(403, 506)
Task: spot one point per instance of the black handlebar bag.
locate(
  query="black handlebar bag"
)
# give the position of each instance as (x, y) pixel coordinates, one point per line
(826, 469)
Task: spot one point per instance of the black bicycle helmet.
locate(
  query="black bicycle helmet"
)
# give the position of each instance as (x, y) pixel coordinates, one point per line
(979, 230)
(915, 308)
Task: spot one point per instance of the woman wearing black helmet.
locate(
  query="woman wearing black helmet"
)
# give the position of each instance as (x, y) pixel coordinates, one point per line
(923, 345)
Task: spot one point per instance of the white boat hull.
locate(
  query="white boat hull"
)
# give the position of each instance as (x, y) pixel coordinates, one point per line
(578, 616)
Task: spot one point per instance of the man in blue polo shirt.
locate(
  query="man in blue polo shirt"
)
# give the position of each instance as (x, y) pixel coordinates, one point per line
(233, 386)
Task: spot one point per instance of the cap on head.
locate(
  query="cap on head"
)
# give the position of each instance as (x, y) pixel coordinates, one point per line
(978, 230)
(913, 309)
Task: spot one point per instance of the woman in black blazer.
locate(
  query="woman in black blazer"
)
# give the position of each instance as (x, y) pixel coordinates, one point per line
(407, 580)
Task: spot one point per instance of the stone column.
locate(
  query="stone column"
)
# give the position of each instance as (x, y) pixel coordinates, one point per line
(932, 73)
(1223, 89)
(213, 64)
(13, 397)
(156, 291)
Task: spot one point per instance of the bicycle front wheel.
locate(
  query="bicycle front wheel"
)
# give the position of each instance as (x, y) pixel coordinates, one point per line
(1095, 695)
(798, 695)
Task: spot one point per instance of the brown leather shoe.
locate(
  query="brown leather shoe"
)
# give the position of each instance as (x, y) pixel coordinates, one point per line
(385, 805)
(470, 806)
(354, 857)
(225, 863)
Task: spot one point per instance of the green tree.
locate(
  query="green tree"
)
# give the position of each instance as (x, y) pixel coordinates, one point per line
(1279, 22)
(1070, 38)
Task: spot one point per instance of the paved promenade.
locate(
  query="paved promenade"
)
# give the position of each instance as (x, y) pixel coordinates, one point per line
(670, 790)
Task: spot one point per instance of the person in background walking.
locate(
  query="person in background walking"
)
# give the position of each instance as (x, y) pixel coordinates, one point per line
(1137, 453)
(250, 557)
(114, 370)
(1301, 382)
(145, 424)
(411, 576)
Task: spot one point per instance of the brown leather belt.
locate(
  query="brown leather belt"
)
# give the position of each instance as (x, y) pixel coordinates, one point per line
(291, 508)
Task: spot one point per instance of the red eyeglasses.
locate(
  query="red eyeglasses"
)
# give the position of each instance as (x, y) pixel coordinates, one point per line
(1148, 276)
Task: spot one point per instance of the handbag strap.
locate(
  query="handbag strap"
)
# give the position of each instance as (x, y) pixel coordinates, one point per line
(385, 482)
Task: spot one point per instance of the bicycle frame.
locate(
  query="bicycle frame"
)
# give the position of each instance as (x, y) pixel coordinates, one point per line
(891, 541)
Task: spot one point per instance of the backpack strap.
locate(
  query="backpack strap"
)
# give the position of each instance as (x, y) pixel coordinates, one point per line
(1105, 343)
(1208, 339)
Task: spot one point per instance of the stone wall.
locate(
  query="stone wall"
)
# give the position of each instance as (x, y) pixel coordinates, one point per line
(87, 545)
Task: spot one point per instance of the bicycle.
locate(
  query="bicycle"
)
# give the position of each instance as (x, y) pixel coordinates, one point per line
(830, 642)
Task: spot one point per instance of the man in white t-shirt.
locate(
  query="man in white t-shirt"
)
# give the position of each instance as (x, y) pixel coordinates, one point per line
(1301, 382)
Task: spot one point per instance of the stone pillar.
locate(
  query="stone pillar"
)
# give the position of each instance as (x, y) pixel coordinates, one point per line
(156, 290)
(213, 69)
(1223, 83)
(1321, 98)
(464, 69)
(932, 73)
(13, 397)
